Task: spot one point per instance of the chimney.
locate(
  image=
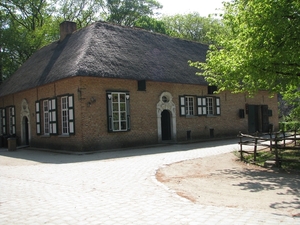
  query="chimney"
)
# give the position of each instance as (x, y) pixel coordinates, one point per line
(66, 27)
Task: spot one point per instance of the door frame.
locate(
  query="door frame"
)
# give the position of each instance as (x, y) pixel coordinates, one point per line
(25, 113)
(165, 103)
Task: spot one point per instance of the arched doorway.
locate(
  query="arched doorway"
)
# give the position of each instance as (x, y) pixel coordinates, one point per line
(25, 123)
(166, 125)
(166, 118)
(25, 130)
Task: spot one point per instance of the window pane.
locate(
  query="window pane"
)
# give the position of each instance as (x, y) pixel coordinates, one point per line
(115, 97)
(122, 97)
(123, 116)
(115, 116)
(123, 125)
(122, 107)
(115, 107)
(116, 125)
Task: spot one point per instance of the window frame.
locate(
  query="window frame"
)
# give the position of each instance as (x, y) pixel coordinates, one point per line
(46, 117)
(64, 116)
(118, 112)
(202, 106)
(189, 105)
(11, 120)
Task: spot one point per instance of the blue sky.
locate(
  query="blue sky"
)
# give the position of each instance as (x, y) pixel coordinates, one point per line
(204, 7)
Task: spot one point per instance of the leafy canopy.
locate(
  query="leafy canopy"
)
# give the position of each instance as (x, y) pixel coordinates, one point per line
(191, 27)
(258, 48)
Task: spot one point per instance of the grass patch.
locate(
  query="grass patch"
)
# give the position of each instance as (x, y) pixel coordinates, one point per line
(290, 158)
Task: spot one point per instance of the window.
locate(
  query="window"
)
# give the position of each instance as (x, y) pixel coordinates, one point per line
(64, 115)
(211, 89)
(12, 120)
(189, 105)
(118, 111)
(50, 119)
(67, 115)
(213, 106)
(209, 106)
(46, 117)
(141, 85)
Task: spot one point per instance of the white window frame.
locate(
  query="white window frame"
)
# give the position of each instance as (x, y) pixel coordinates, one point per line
(189, 105)
(210, 106)
(46, 107)
(119, 111)
(64, 115)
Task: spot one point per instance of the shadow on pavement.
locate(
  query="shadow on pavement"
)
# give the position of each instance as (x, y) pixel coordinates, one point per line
(271, 180)
(59, 157)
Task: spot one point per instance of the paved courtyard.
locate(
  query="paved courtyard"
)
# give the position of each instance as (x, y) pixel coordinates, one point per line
(119, 187)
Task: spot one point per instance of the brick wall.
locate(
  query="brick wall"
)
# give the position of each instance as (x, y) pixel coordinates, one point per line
(90, 105)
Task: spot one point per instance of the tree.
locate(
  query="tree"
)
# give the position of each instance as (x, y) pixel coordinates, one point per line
(22, 31)
(191, 27)
(127, 12)
(82, 12)
(259, 48)
(151, 24)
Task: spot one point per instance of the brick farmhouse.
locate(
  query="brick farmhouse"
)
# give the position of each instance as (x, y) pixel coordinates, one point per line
(108, 86)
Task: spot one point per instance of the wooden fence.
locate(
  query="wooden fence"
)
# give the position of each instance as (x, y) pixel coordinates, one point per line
(275, 141)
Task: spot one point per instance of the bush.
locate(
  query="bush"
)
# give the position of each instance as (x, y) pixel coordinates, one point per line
(289, 126)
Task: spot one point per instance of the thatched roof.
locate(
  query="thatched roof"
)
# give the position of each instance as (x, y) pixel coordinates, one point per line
(111, 51)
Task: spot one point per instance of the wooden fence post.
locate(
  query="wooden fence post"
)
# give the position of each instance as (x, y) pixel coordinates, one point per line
(295, 138)
(241, 145)
(255, 146)
(277, 163)
(271, 142)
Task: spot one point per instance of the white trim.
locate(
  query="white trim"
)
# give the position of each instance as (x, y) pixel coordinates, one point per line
(170, 106)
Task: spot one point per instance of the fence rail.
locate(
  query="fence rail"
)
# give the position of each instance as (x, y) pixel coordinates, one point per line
(275, 141)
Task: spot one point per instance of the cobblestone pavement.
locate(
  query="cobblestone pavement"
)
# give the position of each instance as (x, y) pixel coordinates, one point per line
(118, 187)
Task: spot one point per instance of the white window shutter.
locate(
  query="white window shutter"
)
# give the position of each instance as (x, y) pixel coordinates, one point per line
(13, 120)
(109, 112)
(218, 106)
(182, 105)
(38, 117)
(71, 114)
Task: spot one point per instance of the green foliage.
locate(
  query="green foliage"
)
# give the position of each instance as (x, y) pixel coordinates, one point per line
(151, 24)
(289, 126)
(192, 27)
(258, 48)
(82, 12)
(127, 12)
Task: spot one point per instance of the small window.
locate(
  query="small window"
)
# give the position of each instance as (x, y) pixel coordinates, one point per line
(141, 85)
(211, 89)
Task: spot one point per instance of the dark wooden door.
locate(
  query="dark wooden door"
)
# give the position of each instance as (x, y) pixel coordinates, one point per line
(265, 118)
(253, 125)
(166, 125)
(26, 131)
